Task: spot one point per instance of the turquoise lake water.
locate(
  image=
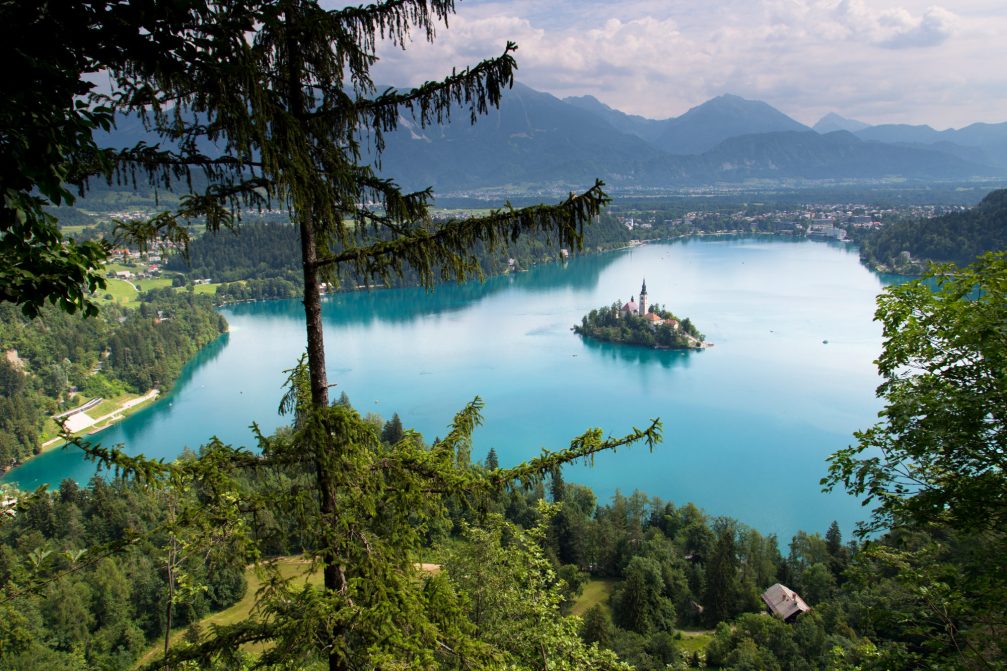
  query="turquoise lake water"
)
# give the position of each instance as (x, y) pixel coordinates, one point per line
(748, 423)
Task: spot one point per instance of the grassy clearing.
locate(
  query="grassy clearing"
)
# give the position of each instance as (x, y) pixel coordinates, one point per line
(147, 283)
(50, 429)
(76, 229)
(694, 640)
(462, 213)
(289, 567)
(595, 592)
(210, 289)
(121, 292)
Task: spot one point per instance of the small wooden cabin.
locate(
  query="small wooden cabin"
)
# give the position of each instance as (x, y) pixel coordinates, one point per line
(784, 602)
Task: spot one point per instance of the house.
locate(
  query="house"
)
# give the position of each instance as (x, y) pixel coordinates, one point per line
(784, 602)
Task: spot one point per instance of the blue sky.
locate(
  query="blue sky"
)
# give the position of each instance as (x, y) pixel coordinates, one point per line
(879, 61)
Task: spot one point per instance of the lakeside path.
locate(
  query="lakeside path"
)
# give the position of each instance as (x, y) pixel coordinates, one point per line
(105, 420)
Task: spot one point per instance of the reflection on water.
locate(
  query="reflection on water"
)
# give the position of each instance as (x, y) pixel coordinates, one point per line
(381, 305)
(636, 354)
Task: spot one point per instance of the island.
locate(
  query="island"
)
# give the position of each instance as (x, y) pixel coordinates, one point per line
(640, 323)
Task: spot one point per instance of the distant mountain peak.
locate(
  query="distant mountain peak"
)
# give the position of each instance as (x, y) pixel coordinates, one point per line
(833, 122)
(728, 115)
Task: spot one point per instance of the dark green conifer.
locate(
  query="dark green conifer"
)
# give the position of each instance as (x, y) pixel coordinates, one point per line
(492, 462)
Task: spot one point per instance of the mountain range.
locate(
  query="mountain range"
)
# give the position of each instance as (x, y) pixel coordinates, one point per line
(537, 143)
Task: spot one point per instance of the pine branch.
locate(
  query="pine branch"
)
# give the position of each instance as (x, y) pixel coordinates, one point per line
(584, 447)
(478, 87)
(390, 20)
(450, 245)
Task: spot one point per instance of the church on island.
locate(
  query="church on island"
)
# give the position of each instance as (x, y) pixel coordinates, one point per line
(640, 323)
(641, 309)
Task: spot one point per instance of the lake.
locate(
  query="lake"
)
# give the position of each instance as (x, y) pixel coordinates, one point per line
(748, 423)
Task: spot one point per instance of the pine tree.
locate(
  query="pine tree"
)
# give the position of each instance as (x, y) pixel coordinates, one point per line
(834, 539)
(492, 461)
(721, 594)
(392, 432)
(557, 487)
(284, 88)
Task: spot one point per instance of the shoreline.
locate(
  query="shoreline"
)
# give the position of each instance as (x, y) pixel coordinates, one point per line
(123, 410)
(664, 348)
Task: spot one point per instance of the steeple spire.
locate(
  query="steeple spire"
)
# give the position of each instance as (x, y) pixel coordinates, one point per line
(643, 298)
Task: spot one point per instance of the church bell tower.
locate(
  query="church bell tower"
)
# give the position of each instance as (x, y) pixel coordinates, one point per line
(643, 299)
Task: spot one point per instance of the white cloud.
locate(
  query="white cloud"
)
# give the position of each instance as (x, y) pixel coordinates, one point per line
(897, 27)
(883, 61)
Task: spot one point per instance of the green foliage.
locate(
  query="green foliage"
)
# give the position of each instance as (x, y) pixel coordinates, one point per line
(388, 497)
(640, 604)
(513, 600)
(266, 257)
(937, 454)
(722, 594)
(597, 627)
(155, 341)
(934, 592)
(48, 117)
(765, 643)
(392, 431)
(22, 408)
(81, 577)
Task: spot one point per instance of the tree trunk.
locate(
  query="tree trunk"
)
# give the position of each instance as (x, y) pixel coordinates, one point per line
(171, 597)
(313, 314)
(316, 340)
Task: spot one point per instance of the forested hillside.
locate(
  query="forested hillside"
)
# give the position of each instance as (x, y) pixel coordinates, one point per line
(84, 574)
(271, 251)
(83, 600)
(56, 359)
(959, 237)
(87, 580)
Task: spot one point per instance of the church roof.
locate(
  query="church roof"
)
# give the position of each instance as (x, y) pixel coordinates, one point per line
(630, 307)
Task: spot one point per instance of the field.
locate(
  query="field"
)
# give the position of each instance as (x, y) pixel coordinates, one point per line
(289, 567)
(598, 592)
(209, 289)
(595, 592)
(120, 292)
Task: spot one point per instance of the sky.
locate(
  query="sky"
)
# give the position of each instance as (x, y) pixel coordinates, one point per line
(877, 61)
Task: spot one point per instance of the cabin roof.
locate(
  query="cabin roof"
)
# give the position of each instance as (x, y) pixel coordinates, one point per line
(784, 602)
